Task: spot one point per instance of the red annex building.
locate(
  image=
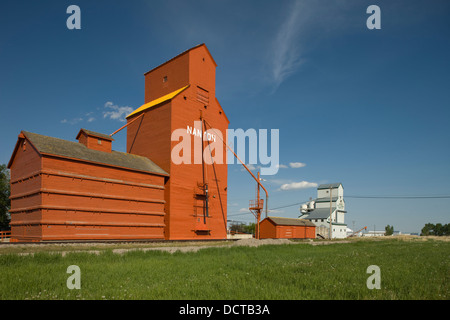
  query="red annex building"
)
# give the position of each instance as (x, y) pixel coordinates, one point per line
(66, 190)
(287, 228)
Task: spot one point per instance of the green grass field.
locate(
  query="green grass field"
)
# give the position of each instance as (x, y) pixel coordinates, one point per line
(409, 270)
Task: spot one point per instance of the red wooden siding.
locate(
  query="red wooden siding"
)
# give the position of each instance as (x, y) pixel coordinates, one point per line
(150, 136)
(270, 228)
(80, 191)
(68, 199)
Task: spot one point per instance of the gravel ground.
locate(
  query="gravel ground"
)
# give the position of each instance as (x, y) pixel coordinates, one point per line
(188, 246)
(97, 248)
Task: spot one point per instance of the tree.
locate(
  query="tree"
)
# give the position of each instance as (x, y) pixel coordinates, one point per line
(446, 229)
(389, 230)
(243, 228)
(250, 228)
(437, 229)
(236, 227)
(427, 230)
(5, 203)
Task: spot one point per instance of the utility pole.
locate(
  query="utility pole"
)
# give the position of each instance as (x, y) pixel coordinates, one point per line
(255, 206)
(258, 212)
(331, 211)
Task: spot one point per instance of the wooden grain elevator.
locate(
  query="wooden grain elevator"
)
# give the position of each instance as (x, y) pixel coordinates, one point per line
(66, 190)
(180, 95)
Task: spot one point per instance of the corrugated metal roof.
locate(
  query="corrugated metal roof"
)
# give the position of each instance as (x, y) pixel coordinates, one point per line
(291, 221)
(75, 150)
(319, 213)
(155, 102)
(326, 199)
(329, 185)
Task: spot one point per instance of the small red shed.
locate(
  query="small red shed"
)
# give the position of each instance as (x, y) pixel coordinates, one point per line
(283, 228)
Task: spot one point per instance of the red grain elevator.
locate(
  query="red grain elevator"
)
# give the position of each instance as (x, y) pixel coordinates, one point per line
(67, 190)
(180, 97)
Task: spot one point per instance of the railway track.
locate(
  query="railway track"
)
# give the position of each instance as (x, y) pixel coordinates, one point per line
(152, 241)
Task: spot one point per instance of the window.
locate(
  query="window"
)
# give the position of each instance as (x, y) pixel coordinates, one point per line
(165, 79)
(99, 141)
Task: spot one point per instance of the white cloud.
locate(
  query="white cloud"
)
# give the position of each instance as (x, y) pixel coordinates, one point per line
(117, 112)
(244, 210)
(298, 185)
(285, 52)
(279, 181)
(277, 211)
(72, 121)
(297, 164)
(251, 167)
(282, 166)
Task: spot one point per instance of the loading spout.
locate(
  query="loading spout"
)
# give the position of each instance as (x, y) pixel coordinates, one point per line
(256, 179)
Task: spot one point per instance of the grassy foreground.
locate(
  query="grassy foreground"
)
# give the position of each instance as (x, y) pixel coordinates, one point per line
(408, 270)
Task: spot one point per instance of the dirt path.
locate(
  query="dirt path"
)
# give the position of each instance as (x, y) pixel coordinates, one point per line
(120, 248)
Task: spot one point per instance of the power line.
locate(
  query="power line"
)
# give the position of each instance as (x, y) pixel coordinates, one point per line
(289, 205)
(374, 197)
(238, 214)
(356, 197)
(399, 197)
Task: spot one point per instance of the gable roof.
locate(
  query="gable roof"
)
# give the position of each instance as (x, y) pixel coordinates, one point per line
(329, 185)
(290, 221)
(157, 101)
(95, 134)
(183, 53)
(68, 149)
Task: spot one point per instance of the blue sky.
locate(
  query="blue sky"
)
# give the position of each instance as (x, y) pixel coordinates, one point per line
(368, 108)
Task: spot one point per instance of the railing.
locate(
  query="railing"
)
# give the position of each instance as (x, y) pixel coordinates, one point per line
(5, 235)
(253, 204)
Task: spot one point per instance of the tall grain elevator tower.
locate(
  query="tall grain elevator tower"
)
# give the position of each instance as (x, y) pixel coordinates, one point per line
(180, 95)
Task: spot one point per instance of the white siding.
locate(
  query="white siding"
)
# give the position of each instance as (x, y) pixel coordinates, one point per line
(325, 193)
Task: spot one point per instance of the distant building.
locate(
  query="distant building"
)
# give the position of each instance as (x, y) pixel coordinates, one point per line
(374, 233)
(318, 211)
